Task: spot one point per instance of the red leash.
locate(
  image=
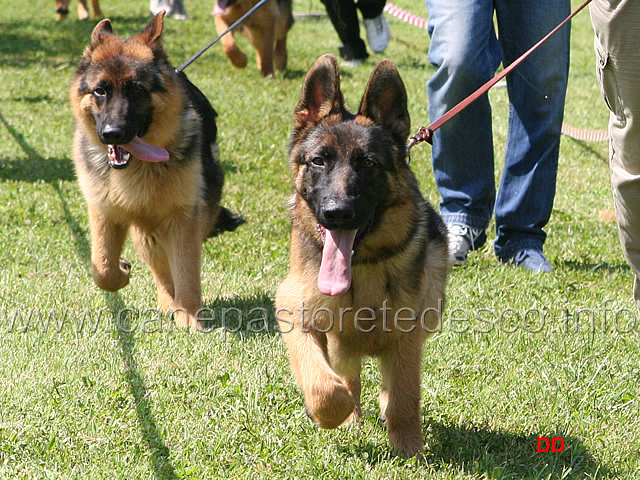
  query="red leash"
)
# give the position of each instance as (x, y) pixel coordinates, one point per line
(425, 134)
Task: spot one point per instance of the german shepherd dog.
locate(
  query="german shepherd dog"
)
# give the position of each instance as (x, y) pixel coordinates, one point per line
(368, 259)
(144, 151)
(266, 28)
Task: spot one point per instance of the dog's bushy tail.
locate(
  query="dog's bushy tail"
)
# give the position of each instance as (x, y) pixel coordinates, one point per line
(227, 222)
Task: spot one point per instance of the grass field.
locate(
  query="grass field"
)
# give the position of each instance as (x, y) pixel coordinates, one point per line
(96, 385)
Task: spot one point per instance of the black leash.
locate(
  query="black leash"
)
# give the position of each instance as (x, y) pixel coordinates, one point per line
(238, 22)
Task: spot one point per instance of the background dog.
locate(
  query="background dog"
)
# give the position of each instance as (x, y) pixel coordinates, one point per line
(144, 151)
(62, 9)
(266, 28)
(369, 259)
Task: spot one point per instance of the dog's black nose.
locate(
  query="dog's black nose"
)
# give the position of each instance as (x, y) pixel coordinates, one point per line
(113, 134)
(338, 213)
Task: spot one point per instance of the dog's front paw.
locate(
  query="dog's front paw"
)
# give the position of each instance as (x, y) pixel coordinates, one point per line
(237, 57)
(112, 279)
(330, 404)
(408, 442)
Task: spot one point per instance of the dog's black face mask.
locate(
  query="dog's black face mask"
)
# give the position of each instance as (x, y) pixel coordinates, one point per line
(343, 176)
(123, 113)
(117, 89)
(341, 160)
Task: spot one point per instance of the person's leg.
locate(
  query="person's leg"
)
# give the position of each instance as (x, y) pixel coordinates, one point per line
(378, 33)
(156, 6)
(371, 8)
(344, 18)
(465, 51)
(617, 43)
(536, 93)
(179, 12)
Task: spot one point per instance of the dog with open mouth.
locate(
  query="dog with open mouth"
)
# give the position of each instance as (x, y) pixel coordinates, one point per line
(368, 256)
(145, 156)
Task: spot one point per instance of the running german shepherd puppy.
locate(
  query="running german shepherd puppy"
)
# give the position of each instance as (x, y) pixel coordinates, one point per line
(266, 29)
(144, 152)
(369, 256)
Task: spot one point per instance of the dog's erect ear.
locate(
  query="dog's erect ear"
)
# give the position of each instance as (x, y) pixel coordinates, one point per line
(385, 100)
(152, 34)
(103, 28)
(321, 93)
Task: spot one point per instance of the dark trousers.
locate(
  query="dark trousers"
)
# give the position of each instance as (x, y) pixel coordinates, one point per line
(344, 17)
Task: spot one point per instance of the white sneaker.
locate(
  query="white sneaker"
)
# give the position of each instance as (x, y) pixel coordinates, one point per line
(462, 239)
(353, 63)
(378, 33)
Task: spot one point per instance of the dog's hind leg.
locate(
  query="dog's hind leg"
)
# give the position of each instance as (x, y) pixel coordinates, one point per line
(263, 40)
(328, 401)
(280, 53)
(110, 272)
(400, 396)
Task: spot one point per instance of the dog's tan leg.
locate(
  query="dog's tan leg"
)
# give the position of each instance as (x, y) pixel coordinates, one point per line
(184, 248)
(83, 13)
(155, 256)
(229, 46)
(263, 40)
(400, 397)
(110, 272)
(280, 53)
(164, 285)
(327, 399)
(349, 368)
(95, 8)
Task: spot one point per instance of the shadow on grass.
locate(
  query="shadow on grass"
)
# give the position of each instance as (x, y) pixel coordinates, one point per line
(586, 146)
(499, 454)
(35, 167)
(45, 41)
(491, 454)
(241, 317)
(160, 455)
(583, 266)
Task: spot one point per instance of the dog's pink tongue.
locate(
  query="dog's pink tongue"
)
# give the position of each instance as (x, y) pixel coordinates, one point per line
(145, 151)
(335, 270)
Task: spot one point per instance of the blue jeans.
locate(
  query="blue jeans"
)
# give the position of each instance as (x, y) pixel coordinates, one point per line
(466, 51)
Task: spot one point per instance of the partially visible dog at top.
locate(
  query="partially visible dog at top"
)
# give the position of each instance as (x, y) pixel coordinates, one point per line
(266, 29)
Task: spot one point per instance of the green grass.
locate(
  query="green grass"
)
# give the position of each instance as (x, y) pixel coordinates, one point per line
(96, 385)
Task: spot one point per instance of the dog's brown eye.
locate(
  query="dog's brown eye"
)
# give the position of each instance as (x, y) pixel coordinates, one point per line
(99, 92)
(369, 163)
(317, 161)
(137, 90)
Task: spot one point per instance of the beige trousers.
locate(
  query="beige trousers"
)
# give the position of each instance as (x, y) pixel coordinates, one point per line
(617, 45)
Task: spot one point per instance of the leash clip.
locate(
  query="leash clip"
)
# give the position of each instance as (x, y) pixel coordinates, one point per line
(424, 134)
